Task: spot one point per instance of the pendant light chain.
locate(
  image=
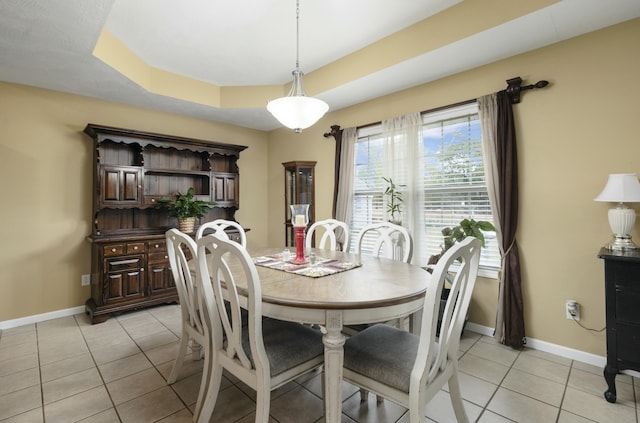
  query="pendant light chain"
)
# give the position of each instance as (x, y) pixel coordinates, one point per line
(297, 111)
(297, 34)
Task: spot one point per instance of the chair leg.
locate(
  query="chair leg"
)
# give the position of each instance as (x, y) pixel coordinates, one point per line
(204, 383)
(177, 364)
(212, 389)
(196, 351)
(456, 398)
(263, 400)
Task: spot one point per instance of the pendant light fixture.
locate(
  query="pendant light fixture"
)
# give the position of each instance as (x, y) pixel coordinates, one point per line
(296, 110)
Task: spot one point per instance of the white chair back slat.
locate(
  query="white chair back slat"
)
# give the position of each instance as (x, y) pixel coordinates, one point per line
(336, 233)
(218, 226)
(386, 240)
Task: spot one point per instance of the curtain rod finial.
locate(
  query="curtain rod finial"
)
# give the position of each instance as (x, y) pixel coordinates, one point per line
(541, 84)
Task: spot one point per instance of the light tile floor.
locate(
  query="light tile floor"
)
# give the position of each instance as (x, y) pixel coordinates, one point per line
(67, 370)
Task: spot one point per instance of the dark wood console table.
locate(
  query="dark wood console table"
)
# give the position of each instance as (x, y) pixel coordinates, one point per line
(622, 300)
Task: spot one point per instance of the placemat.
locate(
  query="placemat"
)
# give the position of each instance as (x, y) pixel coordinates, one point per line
(322, 267)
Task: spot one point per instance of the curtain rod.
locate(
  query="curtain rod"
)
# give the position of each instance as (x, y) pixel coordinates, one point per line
(514, 89)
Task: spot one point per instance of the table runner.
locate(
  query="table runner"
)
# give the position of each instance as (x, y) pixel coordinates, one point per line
(322, 267)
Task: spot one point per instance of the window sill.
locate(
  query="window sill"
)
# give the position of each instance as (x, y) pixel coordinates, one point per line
(488, 272)
(483, 271)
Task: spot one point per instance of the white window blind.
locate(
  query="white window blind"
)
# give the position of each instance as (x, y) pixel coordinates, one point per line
(453, 173)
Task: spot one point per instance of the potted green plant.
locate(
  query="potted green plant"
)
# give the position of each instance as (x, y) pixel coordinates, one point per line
(186, 209)
(466, 227)
(394, 201)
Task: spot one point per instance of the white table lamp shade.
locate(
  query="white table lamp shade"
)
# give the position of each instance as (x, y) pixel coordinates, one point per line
(621, 188)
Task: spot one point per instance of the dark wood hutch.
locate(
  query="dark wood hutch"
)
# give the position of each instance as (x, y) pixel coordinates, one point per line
(132, 171)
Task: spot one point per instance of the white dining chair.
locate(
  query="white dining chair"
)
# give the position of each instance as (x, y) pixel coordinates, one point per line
(386, 240)
(181, 248)
(411, 369)
(336, 233)
(218, 227)
(265, 355)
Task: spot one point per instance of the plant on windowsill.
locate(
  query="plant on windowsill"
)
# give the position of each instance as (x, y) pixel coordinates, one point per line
(187, 209)
(466, 227)
(394, 201)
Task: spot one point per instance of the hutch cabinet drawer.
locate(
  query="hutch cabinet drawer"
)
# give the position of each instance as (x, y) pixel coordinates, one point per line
(158, 246)
(152, 200)
(113, 250)
(158, 258)
(136, 247)
(124, 263)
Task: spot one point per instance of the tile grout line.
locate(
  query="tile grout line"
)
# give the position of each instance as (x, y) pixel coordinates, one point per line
(40, 373)
(484, 409)
(186, 406)
(104, 384)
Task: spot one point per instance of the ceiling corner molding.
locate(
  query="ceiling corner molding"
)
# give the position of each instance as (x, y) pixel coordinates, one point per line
(119, 57)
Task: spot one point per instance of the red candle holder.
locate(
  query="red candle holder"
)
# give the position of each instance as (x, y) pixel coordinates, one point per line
(299, 258)
(299, 221)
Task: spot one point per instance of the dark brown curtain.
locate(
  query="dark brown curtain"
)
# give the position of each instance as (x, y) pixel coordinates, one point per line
(507, 163)
(336, 133)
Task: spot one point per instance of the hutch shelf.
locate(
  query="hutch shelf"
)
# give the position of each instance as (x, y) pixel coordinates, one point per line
(132, 171)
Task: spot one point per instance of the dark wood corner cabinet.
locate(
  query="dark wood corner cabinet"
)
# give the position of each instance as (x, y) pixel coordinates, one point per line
(622, 297)
(299, 188)
(132, 171)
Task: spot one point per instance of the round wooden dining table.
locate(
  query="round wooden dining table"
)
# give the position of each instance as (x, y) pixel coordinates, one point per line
(378, 290)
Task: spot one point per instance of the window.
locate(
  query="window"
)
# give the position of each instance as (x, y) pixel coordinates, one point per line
(449, 174)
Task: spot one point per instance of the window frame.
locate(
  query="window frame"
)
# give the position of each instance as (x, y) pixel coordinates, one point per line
(373, 132)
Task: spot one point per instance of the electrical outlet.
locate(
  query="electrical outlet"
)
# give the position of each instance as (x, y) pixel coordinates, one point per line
(86, 280)
(573, 310)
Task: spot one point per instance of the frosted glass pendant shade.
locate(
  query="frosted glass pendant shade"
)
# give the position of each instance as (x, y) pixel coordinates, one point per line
(297, 111)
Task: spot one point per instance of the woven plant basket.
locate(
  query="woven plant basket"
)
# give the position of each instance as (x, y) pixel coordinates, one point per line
(186, 225)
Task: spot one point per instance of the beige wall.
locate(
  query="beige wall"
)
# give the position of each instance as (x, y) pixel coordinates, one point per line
(46, 177)
(571, 135)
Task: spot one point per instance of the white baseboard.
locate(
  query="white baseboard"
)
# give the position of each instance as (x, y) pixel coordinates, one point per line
(8, 324)
(536, 344)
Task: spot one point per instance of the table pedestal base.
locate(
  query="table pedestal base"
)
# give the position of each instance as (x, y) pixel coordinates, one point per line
(333, 360)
